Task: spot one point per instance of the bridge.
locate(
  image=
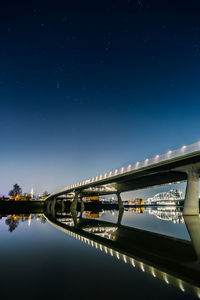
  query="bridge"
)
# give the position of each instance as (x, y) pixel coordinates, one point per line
(182, 164)
(172, 260)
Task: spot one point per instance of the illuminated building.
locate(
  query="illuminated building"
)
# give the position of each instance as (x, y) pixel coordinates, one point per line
(137, 201)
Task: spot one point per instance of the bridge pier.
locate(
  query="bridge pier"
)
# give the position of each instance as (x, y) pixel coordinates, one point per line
(74, 217)
(48, 206)
(73, 206)
(193, 225)
(53, 204)
(63, 205)
(191, 203)
(121, 208)
(82, 206)
(119, 199)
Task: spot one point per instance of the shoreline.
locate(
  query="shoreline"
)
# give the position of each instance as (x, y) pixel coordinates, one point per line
(39, 206)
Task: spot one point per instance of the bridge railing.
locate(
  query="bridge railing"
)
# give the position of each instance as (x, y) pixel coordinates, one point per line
(184, 150)
(148, 161)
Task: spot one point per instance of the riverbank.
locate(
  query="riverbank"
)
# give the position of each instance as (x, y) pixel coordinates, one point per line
(22, 206)
(39, 206)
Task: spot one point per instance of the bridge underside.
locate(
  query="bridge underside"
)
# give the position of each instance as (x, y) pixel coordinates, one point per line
(130, 183)
(176, 170)
(135, 182)
(154, 175)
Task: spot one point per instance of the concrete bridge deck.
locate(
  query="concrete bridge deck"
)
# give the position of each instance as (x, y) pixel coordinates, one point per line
(171, 167)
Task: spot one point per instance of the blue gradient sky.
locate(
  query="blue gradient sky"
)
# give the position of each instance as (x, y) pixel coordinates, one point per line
(86, 87)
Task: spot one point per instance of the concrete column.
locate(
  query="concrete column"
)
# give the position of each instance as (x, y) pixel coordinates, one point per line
(74, 217)
(119, 199)
(121, 208)
(53, 204)
(63, 205)
(193, 226)
(191, 203)
(82, 206)
(48, 207)
(75, 201)
(120, 215)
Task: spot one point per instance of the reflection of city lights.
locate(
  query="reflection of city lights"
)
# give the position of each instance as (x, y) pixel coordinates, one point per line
(198, 292)
(133, 263)
(181, 286)
(153, 272)
(168, 214)
(165, 278)
(142, 267)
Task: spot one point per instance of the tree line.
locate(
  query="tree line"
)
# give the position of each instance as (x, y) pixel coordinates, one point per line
(16, 194)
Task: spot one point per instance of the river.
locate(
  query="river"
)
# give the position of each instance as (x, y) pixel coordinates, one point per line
(94, 255)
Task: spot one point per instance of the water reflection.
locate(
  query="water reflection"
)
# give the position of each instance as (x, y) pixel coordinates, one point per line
(172, 260)
(168, 213)
(14, 220)
(165, 213)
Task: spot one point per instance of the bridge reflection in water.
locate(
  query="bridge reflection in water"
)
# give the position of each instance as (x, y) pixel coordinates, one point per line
(173, 260)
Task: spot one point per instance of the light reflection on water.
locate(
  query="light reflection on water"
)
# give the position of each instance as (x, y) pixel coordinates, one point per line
(52, 256)
(129, 240)
(164, 220)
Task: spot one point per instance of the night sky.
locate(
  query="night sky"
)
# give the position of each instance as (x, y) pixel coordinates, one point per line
(90, 86)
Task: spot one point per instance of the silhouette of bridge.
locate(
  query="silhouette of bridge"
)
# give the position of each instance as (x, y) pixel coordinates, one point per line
(182, 164)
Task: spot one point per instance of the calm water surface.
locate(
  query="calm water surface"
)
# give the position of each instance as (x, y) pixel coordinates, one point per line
(41, 259)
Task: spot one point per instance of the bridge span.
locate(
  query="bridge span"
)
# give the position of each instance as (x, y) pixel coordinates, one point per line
(182, 164)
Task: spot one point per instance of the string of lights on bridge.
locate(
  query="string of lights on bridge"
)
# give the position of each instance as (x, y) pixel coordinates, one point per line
(139, 165)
